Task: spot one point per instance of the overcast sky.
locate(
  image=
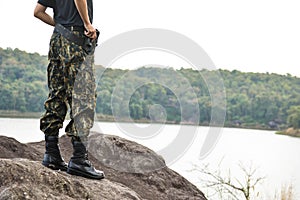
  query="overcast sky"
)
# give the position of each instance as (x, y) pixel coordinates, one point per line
(256, 36)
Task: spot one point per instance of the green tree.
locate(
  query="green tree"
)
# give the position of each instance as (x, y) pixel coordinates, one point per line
(252, 98)
(294, 117)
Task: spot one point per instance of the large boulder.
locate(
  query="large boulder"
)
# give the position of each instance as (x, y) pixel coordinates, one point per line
(132, 172)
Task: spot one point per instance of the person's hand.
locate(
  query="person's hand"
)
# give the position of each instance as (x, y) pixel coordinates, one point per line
(90, 31)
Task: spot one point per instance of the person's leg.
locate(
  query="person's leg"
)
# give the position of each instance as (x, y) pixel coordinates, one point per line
(55, 106)
(82, 102)
(54, 116)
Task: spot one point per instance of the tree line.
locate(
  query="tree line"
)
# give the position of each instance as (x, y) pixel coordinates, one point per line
(160, 94)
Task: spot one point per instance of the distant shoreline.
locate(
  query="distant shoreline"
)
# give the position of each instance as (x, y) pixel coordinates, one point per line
(290, 132)
(101, 118)
(16, 114)
(109, 118)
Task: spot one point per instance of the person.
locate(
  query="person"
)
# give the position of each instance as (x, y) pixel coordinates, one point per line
(71, 83)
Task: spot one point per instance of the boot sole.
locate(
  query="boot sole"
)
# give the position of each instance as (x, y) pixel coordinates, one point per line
(80, 173)
(54, 167)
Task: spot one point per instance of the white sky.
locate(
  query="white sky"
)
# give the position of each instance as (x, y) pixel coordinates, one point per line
(257, 35)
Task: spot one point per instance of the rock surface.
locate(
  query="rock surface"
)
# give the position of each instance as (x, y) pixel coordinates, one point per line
(129, 169)
(25, 179)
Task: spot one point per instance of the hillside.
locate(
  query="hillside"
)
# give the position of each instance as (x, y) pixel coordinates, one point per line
(252, 99)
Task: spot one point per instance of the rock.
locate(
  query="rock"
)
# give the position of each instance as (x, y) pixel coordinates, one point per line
(124, 156)
(132, 172)
(11, 148)
(25, 179)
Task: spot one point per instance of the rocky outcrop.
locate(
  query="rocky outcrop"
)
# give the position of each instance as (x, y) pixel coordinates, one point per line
(25, 179)
(132, 172)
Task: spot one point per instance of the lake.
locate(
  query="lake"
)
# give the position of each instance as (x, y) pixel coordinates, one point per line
(276, 157)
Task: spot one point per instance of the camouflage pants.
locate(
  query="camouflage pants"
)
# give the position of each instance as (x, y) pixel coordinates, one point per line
(71, 84)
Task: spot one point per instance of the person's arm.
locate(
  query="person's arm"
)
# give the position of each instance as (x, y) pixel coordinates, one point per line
(82, 8)
(40, 13)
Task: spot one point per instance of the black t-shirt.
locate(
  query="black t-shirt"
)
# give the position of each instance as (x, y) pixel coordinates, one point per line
(65, 11)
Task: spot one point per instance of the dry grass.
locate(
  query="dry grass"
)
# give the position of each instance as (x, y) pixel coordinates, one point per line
(287, 192)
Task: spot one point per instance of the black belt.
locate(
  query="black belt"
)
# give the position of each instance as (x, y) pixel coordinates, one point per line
(75, 28)
(86, 43)
(69, 35)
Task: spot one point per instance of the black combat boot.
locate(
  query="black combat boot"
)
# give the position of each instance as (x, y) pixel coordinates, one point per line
(79, 164)
(52, 158)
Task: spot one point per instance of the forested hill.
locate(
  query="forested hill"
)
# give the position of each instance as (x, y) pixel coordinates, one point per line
(253, 99)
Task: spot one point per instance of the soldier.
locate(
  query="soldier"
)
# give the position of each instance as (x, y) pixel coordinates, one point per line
(71, 83)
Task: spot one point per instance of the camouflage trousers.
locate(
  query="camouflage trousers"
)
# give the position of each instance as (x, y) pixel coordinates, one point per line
(72, 87)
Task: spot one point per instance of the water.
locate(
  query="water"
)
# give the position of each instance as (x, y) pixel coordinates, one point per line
(276, 157)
